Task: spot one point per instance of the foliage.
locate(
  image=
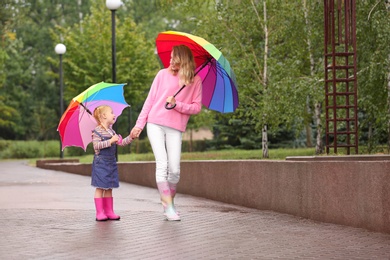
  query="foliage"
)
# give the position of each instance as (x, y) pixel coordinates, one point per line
(373, 38)
(293, 88)
(88, 59)
(29, 79)
(232, 154)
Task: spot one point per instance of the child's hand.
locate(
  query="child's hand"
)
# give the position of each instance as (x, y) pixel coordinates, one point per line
(114, 139)
(119, 140)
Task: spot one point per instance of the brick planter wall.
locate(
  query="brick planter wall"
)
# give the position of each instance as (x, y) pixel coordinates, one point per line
(347, 192)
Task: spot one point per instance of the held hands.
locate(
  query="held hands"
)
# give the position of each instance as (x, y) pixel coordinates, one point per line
(135, 132)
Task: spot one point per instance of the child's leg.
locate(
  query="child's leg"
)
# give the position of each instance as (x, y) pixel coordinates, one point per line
(100, 216)
(108, 203)
(107, 193)
(99, 193)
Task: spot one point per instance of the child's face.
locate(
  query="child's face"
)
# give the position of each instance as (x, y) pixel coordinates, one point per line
(109, 116)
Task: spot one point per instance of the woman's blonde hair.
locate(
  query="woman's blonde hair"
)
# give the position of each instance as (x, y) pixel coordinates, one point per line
(99, 111)
(182, 55)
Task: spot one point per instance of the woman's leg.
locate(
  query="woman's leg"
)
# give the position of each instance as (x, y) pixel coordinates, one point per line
(173, 144)
(157, 137)
(173, 147)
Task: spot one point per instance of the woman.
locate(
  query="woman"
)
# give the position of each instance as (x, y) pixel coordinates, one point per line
(165, 126)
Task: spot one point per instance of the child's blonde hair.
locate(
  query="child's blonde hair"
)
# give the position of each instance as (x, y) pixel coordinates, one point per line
(98, 112)
(182, 55)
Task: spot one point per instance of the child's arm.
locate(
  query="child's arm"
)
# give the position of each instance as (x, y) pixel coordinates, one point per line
(125, 141)
(98, 144)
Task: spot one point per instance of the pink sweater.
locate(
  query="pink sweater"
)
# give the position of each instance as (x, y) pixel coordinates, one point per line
(188, 102)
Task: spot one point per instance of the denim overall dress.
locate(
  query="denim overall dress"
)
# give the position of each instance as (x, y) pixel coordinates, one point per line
(105, 168)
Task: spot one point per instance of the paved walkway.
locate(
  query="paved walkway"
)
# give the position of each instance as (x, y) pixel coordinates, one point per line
(50, 215)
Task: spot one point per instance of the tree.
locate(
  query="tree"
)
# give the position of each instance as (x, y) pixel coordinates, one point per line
(373, 71)
(26, 78)
(88, 57)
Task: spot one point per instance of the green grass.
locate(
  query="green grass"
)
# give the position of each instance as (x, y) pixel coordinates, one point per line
(234, 154)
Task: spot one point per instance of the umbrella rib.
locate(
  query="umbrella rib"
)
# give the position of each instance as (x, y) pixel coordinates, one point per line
(204, 65)
(86, 109)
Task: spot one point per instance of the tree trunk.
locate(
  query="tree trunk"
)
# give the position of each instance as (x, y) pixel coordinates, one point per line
(319, 145)
(312, 73)
(79, 4)
(370, 144)
(265, 142)
(309, 142)
(265, 79)
(388, 106)
(190, 145)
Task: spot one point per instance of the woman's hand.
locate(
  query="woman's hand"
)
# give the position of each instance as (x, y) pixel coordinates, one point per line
(135, 132)
(171, 100)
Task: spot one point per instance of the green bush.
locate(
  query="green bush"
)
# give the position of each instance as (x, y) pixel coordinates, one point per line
(78, 151)
(4, 144)
(195, 146)
(51, 149)
(141, 146)
(20, 150)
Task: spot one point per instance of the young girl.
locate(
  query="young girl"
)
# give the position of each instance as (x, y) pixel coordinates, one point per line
(165, 127)
(104, 166)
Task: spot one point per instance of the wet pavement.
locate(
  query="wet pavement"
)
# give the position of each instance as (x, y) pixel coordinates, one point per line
(50, 215)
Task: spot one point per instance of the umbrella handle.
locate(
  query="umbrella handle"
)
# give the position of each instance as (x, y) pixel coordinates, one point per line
(168, 107)
(167, 103)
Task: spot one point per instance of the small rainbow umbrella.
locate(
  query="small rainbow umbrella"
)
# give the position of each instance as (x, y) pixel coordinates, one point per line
(219, 82)
(77, 122)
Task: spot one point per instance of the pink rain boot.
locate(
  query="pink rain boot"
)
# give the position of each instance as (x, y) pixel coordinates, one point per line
(108, 205)
(172, 188)
(100, 216)
(166, 200)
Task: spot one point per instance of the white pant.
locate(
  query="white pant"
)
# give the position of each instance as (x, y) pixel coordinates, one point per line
(166, 146)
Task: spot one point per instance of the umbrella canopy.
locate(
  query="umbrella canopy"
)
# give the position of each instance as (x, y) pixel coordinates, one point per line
(219, 83)
(77, 122)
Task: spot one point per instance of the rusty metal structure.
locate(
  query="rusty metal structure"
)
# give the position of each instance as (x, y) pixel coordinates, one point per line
(341, 130)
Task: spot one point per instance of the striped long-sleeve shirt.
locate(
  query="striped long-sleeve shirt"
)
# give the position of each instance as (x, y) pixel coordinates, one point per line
(98, 144)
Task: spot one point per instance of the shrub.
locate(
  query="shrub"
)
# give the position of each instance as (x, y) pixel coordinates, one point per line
(23, 149)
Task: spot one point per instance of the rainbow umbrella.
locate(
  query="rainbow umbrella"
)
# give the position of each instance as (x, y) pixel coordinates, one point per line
(77, 122)
(219, 82)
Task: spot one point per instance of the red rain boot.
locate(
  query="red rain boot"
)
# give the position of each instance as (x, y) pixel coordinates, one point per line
(108, 205)
(100, 216)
